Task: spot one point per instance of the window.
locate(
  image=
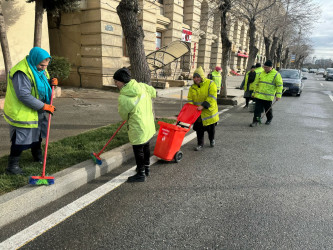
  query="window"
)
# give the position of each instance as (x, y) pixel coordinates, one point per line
(158, 40)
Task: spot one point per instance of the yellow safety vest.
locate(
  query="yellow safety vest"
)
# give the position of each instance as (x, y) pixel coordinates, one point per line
(15, 112)
(268, 85)
(217, 78)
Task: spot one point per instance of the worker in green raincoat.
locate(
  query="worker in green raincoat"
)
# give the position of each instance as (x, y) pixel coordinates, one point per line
(135, 106)
(203, 93)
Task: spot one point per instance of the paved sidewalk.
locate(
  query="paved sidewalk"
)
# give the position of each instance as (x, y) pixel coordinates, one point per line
(81, 110)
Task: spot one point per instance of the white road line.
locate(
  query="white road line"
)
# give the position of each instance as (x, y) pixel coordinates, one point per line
(322, 84)
(331, 97)
(30, 233)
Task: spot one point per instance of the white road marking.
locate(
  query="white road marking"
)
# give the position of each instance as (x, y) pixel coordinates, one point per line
(322, 84)
(330, 96)
(30, 233)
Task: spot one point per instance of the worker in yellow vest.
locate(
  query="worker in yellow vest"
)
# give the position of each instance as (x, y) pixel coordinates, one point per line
(217, 78)
(203, 93)
(27, 99)
(267, 86)
(248, 86)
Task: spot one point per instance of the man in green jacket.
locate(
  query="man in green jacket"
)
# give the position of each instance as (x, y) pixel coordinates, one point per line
(135, 106)
(217, 78)
(268, 85)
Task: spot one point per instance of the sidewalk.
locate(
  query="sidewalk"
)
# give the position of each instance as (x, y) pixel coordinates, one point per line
(72, 102)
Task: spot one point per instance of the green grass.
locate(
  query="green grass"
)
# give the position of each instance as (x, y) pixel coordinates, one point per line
(64, 153)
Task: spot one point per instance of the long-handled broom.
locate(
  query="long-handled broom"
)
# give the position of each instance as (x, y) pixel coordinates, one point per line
(44, 180)
(260, 118)
(95, 156)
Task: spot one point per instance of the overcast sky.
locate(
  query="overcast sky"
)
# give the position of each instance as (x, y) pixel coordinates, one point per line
(322, 35)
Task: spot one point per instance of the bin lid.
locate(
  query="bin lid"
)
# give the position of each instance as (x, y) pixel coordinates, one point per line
(189, 114)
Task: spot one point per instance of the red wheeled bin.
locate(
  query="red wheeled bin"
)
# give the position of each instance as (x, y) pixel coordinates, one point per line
(170, 136)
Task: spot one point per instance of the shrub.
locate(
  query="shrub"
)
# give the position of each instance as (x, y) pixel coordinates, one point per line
(59, 67)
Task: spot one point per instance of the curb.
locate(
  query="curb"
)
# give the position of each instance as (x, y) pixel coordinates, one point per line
(33, 197)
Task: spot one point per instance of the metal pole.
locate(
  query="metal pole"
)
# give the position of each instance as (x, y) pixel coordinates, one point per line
(181, 99)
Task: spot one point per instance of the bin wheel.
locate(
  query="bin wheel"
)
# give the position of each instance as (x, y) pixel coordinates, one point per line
(178, 156)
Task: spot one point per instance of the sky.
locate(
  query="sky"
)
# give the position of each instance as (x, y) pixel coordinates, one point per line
(322, 35)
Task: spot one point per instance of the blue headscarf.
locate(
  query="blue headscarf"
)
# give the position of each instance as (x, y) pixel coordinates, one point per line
(35, 56)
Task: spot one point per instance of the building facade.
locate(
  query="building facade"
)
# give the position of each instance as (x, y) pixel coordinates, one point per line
(93, 40)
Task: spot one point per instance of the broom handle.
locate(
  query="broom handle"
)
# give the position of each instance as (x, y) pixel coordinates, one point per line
(47, 136)
(272, 105)
(111, 138)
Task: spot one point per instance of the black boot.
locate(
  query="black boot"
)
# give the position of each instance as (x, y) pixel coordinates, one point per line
(138, 177)
(37, 155)
(147, 171)
(13, 165)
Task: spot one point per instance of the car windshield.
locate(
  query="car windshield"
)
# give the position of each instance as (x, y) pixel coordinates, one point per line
(330, 71)
(289, 74)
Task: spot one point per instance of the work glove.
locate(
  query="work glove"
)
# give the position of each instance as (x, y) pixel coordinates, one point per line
(49, 108)
(54, 82)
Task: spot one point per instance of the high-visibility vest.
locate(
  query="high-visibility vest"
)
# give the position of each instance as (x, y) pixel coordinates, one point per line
(268, 85)
(206, 92)
(15, 112)
(217, 78)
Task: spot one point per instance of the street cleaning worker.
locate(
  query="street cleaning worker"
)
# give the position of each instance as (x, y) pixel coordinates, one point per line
(267, 86)
(27, 98)
(217, 78)
(135, 106)
(203, 93)
(248, 86)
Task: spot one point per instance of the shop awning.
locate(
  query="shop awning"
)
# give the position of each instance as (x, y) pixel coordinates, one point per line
(166, 55)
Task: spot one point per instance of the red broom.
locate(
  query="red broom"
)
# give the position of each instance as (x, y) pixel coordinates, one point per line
(45, 180)
(95, 156)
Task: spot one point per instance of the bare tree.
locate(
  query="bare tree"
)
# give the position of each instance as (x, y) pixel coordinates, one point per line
(4, 42)
(127, 11)
(53, 7)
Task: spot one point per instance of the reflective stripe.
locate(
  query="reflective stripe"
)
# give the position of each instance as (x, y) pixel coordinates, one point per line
(275, 76)
(279, 93)
(264, 94)
(212, 97)
(137, 100)
(20, 122)
(269, 83)
(197, 103)
(280, 85)
(206, 118)
(189, 101)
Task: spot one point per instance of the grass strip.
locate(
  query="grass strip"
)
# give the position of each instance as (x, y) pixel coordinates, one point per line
(65, 153)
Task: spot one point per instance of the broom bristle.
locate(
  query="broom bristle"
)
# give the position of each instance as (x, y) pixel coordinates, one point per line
(38, 180)
(96, 159)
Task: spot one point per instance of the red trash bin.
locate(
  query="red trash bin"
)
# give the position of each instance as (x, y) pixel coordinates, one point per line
(170, 136)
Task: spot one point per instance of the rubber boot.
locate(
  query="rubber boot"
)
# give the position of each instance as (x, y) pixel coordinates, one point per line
(138, 177)
(37, 155)
(13, 165)
(147, 171)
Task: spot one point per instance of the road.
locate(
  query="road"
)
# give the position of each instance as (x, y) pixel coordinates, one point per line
(268, 187)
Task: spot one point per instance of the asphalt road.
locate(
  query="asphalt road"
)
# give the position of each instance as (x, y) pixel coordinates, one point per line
(268, 187)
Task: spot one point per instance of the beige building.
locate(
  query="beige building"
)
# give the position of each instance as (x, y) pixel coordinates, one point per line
(20, 21)
(93, 41)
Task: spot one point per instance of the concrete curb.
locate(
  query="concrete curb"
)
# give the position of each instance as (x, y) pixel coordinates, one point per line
(33, 197)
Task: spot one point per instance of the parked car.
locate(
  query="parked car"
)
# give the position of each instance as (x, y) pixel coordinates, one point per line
(320, 71)
(329, 74)
(305, 70)
(312, 70)
(325, 73)
(292, 81)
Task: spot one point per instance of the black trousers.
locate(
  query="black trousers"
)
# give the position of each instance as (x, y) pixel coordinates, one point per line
(262, 105)
(200, 129)
(16, 150)
(142, 155)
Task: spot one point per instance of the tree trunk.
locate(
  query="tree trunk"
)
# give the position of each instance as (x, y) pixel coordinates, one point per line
(4, 43)
(273, 49)
(39, 11)
(226, 45)
(252, 45)
(267, 42)
(285, 59)
(127, 11)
